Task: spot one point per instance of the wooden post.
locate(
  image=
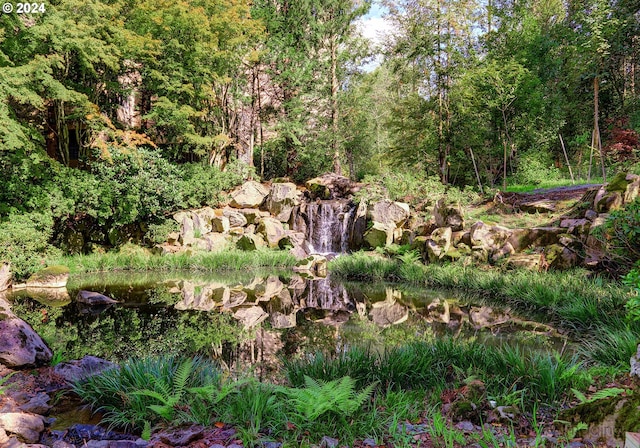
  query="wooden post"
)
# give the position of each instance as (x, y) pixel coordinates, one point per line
(475, 168)
(566, 158)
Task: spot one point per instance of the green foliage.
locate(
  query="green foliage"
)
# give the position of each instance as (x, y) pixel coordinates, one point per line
(621, 233)
(157, 233)
(318, 398)
(24, 242)
(535, 168)
(206, 185)
(154, 389)
(3, 380)
(632, 279)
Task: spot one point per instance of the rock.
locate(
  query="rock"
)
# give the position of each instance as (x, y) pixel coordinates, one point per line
(379, 235)
(250, 317)
(632, 191)
(526, 261)
(506, 250)
(250, 242)
(358, 226)
(490, 238)
(27, 427)
(272, 230)
(439, 243)
(560, 257)
(47, 296)
(19, 345)
(391, 214)
(448, 215)
(179, 216)
(50, 277)
(235, 217)
(590, 215)
(252, 215)
(329, 442)
(618, 183)
(202, 220)
(5, 276)
(83, 368)
(250, 195)
(331, 186)
(94, 298)
(187, 233)
(542, 206)
(609, 202)
(38, 404)
(577, 226)
(522, 239)
(220, 224)
(635, 364)
(291, 239)
(282, 200)
(214, 242)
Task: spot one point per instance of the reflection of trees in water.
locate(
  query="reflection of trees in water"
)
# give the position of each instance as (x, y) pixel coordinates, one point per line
(254, 322)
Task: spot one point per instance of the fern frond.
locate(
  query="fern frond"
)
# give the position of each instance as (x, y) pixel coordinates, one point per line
(609, 392)
(182, 376)
(582, 398)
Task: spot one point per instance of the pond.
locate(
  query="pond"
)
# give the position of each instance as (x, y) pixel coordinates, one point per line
(246, 319)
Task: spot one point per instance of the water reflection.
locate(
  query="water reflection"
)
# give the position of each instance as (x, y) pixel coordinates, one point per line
(260, 318)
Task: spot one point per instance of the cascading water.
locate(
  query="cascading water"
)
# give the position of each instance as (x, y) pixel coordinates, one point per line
(328, 226)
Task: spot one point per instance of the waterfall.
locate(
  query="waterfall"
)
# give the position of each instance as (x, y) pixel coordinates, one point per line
(328, 225)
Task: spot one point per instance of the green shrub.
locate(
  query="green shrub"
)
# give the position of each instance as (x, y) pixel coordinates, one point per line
(621, 233)
(633, 304)
(535, 168)
(205, 185)
(24, 242)
(158, 232)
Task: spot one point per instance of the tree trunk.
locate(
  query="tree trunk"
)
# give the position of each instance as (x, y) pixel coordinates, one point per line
(334, 105)
(596, 126)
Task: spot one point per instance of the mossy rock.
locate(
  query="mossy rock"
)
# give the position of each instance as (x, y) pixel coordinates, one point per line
(50, 271)
(628, 419)
(618, 183)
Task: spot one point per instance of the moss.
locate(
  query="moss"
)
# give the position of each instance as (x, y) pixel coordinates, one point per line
(591, 412)
(51, 271)
(618, 183)
(628, 419)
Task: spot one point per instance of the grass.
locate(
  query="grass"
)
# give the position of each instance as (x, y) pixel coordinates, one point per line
(142, 260)
(554, 183)
(446, 363)
(569, 299)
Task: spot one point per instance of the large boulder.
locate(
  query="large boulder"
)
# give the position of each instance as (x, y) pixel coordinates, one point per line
(26, 427)
(526, 238)
(19, 345)
(50, 277)
(94, 298)
(331, 186)
(358, 226)
(448, 215)
(81, 369)
(439, 243)
(250, 195)
(202, 220)
(236, 218)
(251, 317)
(252, 215)
(282, 200)
(313, 264)
(250, 242)
(187, 231)
(272, 230)
(560, 257)
(379, 235)
(5, 276)
(389, 213)
(490, 238)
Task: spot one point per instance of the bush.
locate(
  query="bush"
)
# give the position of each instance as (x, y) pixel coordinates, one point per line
(536, 167)
(24, 242)
(633, 305)
(205, 185)
(621, 233)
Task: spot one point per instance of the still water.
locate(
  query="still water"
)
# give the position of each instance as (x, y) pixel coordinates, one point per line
(254, 319)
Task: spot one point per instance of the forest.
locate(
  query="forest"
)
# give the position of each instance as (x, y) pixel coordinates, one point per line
(483, 245)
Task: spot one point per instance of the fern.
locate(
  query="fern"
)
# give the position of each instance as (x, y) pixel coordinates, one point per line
(168, 394)
(609, 392)
(318, 398)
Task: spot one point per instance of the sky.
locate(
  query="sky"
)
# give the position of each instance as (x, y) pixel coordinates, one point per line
(373, 26)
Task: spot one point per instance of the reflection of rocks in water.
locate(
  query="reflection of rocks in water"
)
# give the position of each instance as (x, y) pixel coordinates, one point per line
(389, 312)
(486, 316)
(282, 311)
(202, 297)
(438, 311)
(46, 296)
(251, 316)
(236, 297)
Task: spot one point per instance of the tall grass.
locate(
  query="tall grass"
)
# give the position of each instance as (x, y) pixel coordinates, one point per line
(446, 363)
(141, 260)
